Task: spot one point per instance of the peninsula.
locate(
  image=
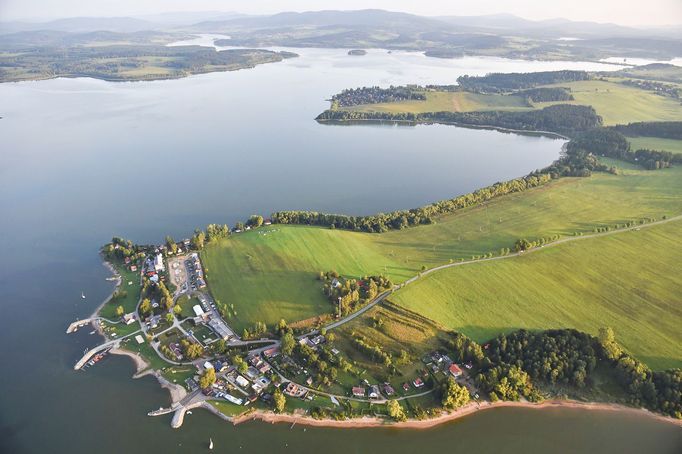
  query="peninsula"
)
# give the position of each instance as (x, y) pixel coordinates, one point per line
(556, 288)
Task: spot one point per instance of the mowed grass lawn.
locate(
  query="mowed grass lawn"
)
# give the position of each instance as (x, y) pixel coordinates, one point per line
(618, 103)
(631, 281)
(440, 101)
(656, 143)
(272, 276)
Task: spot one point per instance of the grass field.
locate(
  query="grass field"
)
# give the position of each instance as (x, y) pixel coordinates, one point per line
(655, 143)
(615, 102)
(132, 293)
(631, 281)
(273, 276)
(618, 103)
(449, 101)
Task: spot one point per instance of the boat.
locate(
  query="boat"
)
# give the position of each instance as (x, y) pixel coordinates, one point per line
(83, 295)
(210, 443)
(92, 332)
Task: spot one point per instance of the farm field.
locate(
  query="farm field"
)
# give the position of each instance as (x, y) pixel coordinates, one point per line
(609, 281)
(656, 143)
(619, 104)
(439, 101)
(271, 273)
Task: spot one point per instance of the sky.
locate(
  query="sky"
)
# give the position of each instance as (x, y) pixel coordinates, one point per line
(624, 12)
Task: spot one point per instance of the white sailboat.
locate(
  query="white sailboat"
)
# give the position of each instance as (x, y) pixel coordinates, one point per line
(210, 443)
(83, 295)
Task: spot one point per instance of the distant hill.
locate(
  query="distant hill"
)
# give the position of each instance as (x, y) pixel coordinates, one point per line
(361, 18)
(82, 24)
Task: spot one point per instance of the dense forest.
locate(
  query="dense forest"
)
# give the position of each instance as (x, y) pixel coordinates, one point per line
(373, 95)
(664, 129)
(611, 143)
(515, 362)
(563, 119)
(507, 82)
(546, 94)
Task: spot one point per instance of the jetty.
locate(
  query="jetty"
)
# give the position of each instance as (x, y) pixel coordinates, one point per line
(100, 348)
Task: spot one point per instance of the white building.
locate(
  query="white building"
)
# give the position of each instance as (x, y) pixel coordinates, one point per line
(158, 263)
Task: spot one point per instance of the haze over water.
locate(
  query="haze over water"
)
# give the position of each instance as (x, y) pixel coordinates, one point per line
(84, 160)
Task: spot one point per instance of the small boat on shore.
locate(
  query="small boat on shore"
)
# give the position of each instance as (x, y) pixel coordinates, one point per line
(210, 443)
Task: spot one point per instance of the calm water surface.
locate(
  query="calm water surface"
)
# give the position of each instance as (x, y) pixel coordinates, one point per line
(85, 159)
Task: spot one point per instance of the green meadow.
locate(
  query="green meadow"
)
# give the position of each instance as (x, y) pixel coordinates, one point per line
(441, 101)
(615, 102)
(630, 281)
(270, 273)
(655, 143)
(619, 104)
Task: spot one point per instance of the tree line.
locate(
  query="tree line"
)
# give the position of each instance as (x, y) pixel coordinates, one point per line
(506, 82)
(546, 94)
(565, 119)
(401, 219)
(374, 95)
(611, 143)
(664, 129)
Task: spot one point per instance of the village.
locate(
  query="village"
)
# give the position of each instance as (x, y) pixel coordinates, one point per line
(186, 329)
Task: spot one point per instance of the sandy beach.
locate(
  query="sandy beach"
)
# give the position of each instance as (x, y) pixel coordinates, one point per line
(142, 368)
(445, 417)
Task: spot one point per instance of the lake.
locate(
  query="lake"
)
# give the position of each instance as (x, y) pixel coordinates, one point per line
(84, 160)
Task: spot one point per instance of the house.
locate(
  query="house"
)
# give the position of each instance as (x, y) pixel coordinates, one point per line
(198, 311)
(358, 391)
(436, 357)
(306, 341)
(252, 372)
(335, 352)
(418, 382)
(128, 318)
(219, 366)
(255, 361)
(271, 352)
(154, 321)
(374, 392)
(267, 222)
(208, 365)
(454, 370)
(133, 268)
(336, 283)
(319, 339)
(388, 389)
(241, 381)
(294, 390)
(232, 399)
(406, 386)
(264, 368)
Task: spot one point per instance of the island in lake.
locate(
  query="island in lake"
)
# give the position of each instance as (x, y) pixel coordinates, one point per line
(511, 295)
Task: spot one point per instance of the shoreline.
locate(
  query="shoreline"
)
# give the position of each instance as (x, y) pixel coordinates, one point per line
(467, 410)
(549, 134)
(143, 368)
